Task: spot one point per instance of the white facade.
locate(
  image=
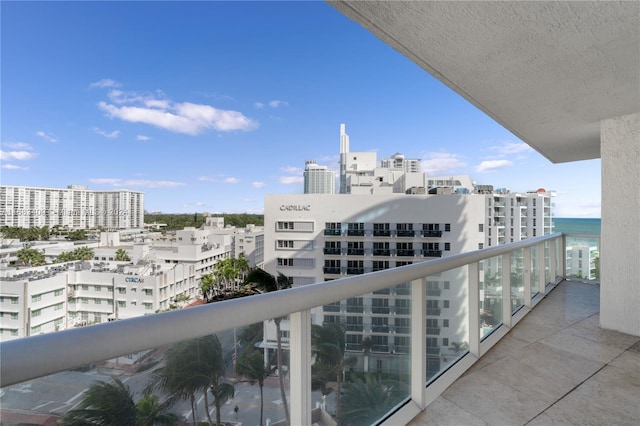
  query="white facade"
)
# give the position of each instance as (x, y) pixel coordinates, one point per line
(512, 217)
(318, 179)
(75, 207)
(324, 237)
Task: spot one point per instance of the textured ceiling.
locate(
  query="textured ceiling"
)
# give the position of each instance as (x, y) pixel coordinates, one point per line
(547, 71)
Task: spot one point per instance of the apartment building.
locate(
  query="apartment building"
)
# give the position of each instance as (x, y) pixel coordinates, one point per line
(390, 216)
(75, 207)
(318, 179)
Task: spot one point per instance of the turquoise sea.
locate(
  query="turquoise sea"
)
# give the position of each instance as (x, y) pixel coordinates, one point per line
(576, 225)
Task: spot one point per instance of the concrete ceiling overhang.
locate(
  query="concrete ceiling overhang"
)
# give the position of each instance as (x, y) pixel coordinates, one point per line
(548, 71)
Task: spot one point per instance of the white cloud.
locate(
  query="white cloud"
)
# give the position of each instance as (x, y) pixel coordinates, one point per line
(111, 135)
(143, 138)
(49, 137)
(104, 83)
(276, 103)
(13, 167)
(508, 148)
(291, 170)
(16, 155)
(188, 118)
(231, 180)
(258, 184)
(291, 180)
(207, 179)
(136, 183)
(258, 105)
(491, 165)
(18, 145)
(441, 163)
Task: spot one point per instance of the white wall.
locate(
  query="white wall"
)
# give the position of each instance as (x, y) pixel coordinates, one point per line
(620, 247)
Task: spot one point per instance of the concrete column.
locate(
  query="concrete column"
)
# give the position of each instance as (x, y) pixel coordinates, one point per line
(620, 243)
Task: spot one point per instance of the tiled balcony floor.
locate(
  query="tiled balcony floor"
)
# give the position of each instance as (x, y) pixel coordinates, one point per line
(556, 367)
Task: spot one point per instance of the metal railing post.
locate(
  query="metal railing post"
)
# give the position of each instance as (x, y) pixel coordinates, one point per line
(300, 371)
(418, 341)
(474, 309)
(506, 289)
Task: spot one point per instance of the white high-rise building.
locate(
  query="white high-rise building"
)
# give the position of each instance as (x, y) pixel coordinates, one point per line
(318, 179)
(389, 219)
(75, 207)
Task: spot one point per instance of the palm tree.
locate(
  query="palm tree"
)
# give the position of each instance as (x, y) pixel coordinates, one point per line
(196, 366)
(366, 401)
(328, 346)
(111, 403)
(251, 365)
(31, 257)
(122, 256)
(208, 287)
(266, 282)
(367, 345)
(458, 347)
(83, 253)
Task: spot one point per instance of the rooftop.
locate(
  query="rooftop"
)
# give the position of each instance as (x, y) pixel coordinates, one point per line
(557, 366)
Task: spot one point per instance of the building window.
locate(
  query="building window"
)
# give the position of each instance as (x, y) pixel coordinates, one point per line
(122, 290)
(58, 292)
(36, 329)
(285, 262)
(480, 246)
(148, 306)
(98, 302)
(447, 246)
(481, 227)
(58, 306)
(148, 292)
(445, 304)
(447, 284)
(36, 313)
(445, 323)
(85, 287)
(36, 298)
(97, 288)
(445, 341)
(14, 300)
(447, 227)
(122, 304)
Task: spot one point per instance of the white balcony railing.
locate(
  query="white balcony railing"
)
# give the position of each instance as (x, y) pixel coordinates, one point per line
(518, 274)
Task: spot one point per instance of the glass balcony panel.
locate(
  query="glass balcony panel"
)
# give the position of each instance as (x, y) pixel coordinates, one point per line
(583, 258)
(517, 280)
(61, 395)
(535, 268)
(491, 282)
(447, 332)
(352, 360)
(547, 263)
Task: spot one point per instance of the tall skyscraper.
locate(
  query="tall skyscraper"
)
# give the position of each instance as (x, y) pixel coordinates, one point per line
(318, 179)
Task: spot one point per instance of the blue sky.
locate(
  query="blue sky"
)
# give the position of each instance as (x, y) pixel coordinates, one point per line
(208, 106)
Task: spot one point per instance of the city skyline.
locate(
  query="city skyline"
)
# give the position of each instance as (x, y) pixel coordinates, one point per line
(208, 106)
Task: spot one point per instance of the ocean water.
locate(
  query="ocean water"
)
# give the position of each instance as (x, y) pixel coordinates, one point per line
(576, 225)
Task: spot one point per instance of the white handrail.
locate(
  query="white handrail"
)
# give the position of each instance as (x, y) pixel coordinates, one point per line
(37, 356)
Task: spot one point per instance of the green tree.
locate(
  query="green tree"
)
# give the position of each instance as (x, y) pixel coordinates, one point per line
(208, 287)
(122, 256)
(458, 347)
(251, 365)
(111, 403)
(83, 253)
(328, 346)
(31, 257)
(366, 401)
(192, 367)
(266, 282)
(77, 235)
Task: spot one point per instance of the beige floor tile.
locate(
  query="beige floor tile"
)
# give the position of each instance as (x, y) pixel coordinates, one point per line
(558, 362)
(445, 413)
(566, 341)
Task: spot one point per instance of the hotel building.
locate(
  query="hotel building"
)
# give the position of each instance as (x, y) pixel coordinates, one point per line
(75, 207)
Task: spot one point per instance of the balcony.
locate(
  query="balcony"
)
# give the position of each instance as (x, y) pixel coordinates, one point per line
(355, 232)
(331, 270)
(432, 253)
(332, 232)
(332, 251)
(406, 233)
(381, 252)
(355, 271)
(554, 339)
(405, 252)
(355, 252)
(432, 234)
(381, 233)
